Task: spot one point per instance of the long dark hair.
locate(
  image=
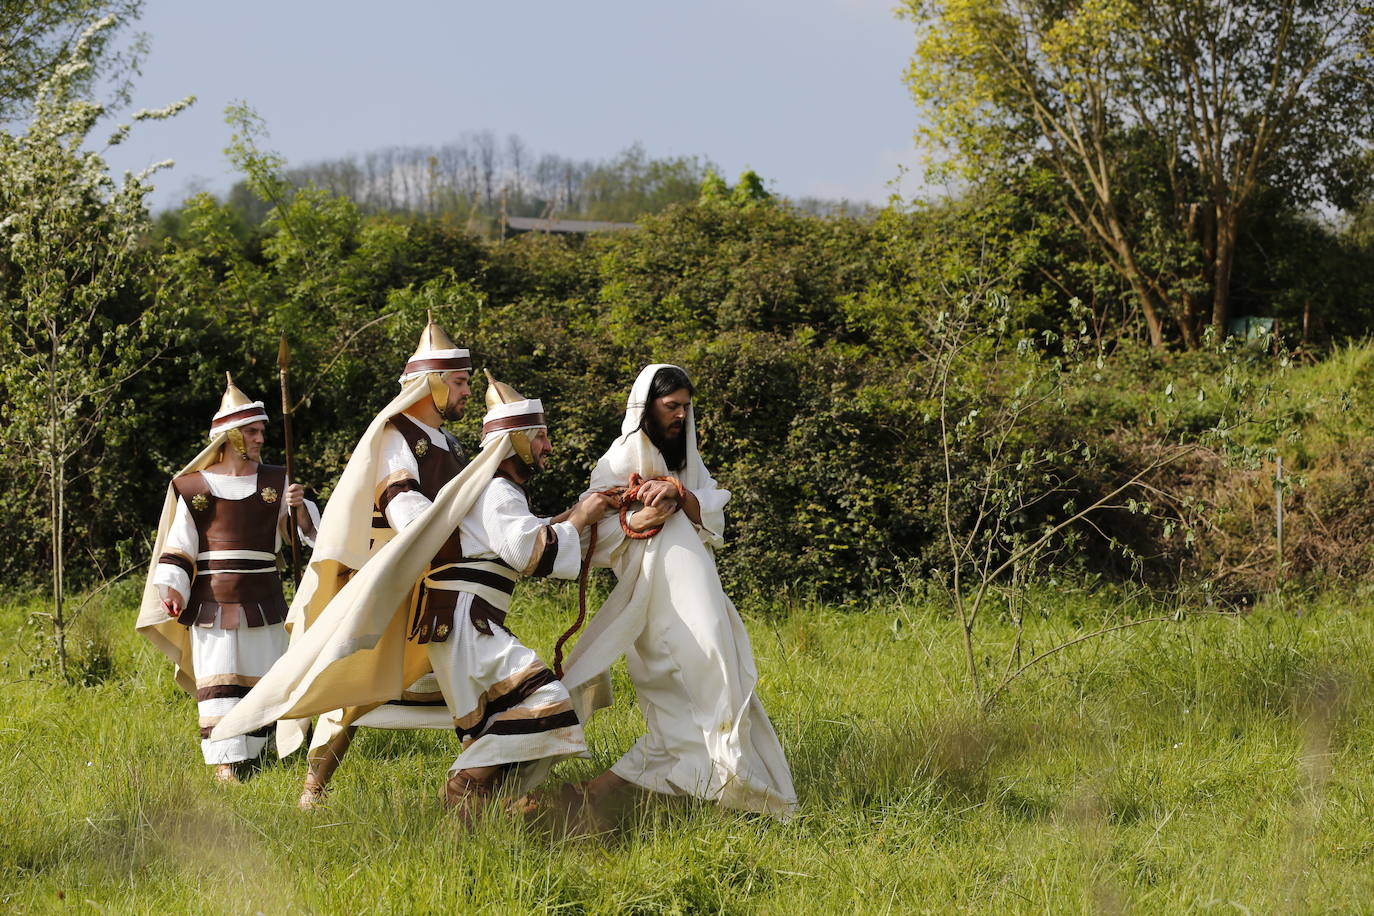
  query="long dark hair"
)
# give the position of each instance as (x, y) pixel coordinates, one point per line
(665, 382)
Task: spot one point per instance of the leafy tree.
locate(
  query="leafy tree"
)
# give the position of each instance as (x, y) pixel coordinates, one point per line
(1159, 122)
(70, 247)
(633, 184)
(37, 36)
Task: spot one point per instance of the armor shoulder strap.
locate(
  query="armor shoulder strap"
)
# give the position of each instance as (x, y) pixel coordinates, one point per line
(408, 429)
(189, 486)
(455, 448)
(271, 475)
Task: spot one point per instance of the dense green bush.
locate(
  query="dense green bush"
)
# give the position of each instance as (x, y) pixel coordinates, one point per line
(809, 340)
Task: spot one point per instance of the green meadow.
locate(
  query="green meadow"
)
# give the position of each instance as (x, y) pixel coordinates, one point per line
(1216, 763)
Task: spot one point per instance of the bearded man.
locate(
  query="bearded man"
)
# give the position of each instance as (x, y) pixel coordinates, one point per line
(686, 648)
(434, 598)
(417, 457)
(213, 600)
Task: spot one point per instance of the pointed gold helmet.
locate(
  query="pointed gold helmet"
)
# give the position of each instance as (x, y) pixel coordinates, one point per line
(499, 393)
(510, 412)
(233, 398)
(236, 410)
(434, 356)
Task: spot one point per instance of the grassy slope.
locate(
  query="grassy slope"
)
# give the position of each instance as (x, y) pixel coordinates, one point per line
(1216, 764)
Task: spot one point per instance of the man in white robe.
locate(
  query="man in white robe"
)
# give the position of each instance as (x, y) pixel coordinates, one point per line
(686, 648)
(213, 600)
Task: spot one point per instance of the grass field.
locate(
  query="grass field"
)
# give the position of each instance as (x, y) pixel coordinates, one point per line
(1218, 764)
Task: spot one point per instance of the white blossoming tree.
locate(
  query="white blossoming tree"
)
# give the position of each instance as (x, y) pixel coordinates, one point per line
(76, 325)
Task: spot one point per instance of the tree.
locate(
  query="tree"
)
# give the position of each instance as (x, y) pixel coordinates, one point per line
(70, 248)
(38, 35)
(1159, 122)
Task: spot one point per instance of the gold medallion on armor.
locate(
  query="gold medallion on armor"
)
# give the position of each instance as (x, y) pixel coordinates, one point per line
(269, 494)
(441, 631)
(200, 502)
(424, 631)
(421, 448)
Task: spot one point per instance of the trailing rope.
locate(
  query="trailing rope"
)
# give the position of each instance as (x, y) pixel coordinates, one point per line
(625, 498)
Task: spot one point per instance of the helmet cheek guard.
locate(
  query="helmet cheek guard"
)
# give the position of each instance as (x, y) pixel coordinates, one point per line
(235, 437)
(438, 392)
(520, 440)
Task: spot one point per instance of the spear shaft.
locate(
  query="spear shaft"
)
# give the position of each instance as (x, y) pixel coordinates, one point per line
(284, 374)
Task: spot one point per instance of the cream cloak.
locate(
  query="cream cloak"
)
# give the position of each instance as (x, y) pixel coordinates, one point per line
(348, 620)
(166, 633)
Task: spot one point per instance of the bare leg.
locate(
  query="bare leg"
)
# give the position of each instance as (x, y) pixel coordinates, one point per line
(322, 762)
(592, 807)
(224, 774)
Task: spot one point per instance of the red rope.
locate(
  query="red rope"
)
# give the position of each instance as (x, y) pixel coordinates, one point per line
(626, 497)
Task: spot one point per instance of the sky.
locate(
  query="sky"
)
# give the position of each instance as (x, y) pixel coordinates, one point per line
(808, 93)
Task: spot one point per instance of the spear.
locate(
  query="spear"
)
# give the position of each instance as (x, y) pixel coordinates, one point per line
(284, 373)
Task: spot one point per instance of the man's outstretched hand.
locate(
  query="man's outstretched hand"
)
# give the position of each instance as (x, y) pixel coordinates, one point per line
(592, 508)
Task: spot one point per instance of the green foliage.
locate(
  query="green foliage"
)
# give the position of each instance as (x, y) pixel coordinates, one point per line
(811, 341)
(76, 330)
(1159, 125)
(37, 37)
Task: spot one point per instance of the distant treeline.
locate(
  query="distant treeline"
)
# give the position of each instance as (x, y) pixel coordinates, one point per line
(480, 178)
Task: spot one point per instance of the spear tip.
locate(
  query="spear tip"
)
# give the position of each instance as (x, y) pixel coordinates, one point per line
(283, 353)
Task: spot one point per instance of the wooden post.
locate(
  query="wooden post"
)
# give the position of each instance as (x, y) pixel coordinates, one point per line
(284, 374)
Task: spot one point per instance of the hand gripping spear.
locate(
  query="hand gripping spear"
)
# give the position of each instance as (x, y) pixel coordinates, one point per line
(284, 373)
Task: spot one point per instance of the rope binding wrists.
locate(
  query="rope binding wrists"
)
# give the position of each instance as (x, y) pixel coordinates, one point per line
(625, 497)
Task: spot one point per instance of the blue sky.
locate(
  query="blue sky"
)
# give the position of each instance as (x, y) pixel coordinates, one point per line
(807, 92)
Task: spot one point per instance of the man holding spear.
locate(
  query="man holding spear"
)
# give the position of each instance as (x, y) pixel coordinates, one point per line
(409, 586)
(213, 601)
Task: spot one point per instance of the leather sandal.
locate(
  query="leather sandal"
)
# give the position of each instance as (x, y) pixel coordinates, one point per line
(312, 794)
(467, 795)
(225, 775)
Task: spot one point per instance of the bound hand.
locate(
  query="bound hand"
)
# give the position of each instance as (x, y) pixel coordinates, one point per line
(652, 492)
(655, 515)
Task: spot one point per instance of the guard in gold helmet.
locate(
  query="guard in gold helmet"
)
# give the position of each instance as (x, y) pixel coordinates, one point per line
(504, 703)
(213, 602)
(445, 368)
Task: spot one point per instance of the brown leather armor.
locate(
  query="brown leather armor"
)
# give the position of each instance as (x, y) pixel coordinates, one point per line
(433, 619)
(233, 587)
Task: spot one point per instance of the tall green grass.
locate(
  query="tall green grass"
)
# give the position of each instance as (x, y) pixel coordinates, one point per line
(1214, 764)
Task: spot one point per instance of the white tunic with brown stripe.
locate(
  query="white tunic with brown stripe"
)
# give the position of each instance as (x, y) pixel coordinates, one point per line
(220, 556)
(500, 698)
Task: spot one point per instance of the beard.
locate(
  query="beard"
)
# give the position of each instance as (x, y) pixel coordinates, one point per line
(674, 450)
